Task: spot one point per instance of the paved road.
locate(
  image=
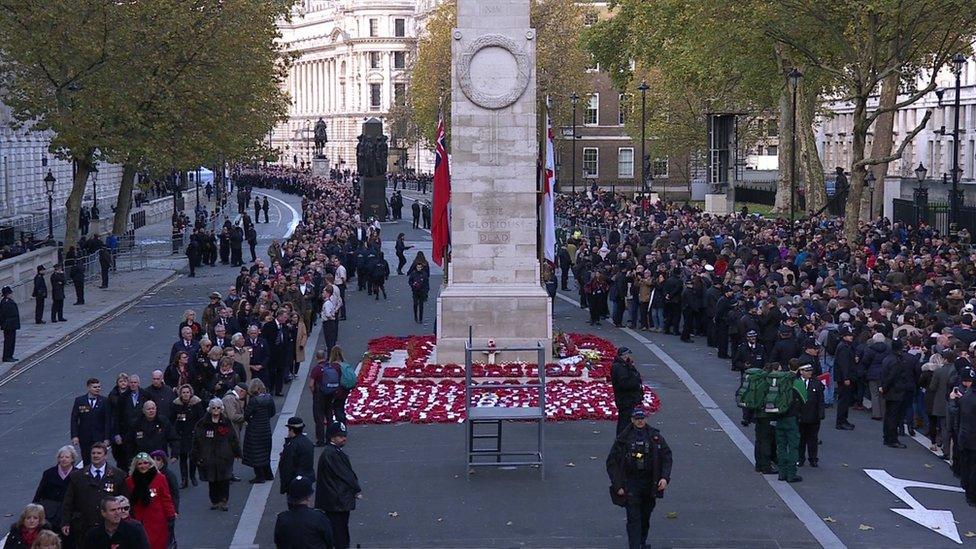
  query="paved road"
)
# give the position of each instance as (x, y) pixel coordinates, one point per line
(34, 407)
(418, 471)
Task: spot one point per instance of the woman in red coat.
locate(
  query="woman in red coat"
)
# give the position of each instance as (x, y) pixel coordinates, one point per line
(152, 504)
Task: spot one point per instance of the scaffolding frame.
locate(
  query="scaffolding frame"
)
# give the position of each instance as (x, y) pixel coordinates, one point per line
(494, 415)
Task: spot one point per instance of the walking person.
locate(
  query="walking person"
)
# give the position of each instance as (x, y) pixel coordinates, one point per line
(628, 388)
(152, 503)
(9, 323)
(252, 242)
(962, 404)
(77, 275)
(845, 371)
(86, 487)
(54, 484)
(301, 526)
(215, 447)
(336, 484)
(639, 466)
(258, 411)
(895, 379)
(104, 263)
(186, 411)
(419, 279)
(58, 281)
(39, 294)
(330, 323)
(25, 532)
(90, 419)
(400, 248)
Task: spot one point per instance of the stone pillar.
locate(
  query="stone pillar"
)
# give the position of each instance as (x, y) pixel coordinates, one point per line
(494, 273)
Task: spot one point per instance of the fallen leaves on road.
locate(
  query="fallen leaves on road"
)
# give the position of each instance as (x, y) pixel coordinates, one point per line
(593, 457)
(829, 519)
(928, 465)
(672, 515)
(844, 465)
(970, 534)
(509, 523)
(393, 514)
(865, 527)
(570, 464)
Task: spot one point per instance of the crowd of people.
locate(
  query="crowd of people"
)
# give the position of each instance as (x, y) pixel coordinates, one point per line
(884, 322)
(211, 406)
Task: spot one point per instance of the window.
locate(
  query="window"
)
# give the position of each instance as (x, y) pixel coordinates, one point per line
(399, 60)
(589, 18)
(375, 96)
(772, 150)
(400, 93)
(591, 116)
(625, 163)
(660, 167)
(625, 103)
(374, 27)
(374, 59)
(399, 28)
(772, 128)
(591, 162)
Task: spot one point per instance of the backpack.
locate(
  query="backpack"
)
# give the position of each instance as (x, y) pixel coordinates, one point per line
(751, 393)
(833, 339)
(780, 395)
(348, 379)
(330, 381)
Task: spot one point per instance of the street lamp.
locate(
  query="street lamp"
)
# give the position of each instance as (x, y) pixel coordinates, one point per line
(94, 172)
(955, 200)
(870, 180)
(49, 187)
(574, 98)
(794, 76)
(921, 194)
(643, 87)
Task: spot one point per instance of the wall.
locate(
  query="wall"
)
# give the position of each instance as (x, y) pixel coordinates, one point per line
(18, 272)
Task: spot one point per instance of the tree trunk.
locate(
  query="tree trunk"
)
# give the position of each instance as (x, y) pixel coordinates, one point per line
(121, 222)
(852, 210)
(785, 183)
(83, 166)
(883, 141)
(808, 156)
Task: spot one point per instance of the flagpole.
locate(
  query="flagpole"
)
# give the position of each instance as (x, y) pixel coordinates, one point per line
(446, 254)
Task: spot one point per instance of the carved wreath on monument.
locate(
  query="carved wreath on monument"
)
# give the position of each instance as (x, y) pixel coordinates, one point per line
(485, 98)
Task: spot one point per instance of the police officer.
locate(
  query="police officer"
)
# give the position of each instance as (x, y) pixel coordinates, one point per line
(337, 485)
(720, 323)
(298, 456)
(58, 282)
(90, 419)
(962, 404)
(301, 526)
(845, 372)
(628, 388)
(39, 294)
(639, 466)
(9, 323)
(811, 414)
(750, 354)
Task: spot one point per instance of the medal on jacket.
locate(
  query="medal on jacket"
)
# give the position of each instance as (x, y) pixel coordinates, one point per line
(109, 487)
(152, 492)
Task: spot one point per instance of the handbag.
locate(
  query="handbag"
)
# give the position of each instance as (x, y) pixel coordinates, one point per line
(616, 498)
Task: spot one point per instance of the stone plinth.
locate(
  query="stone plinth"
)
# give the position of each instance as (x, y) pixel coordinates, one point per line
(717, 204)
(320, 167)
(494, 274)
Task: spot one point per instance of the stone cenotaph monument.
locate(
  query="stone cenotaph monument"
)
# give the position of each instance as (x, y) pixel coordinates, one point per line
(494, 273)
(371, 158)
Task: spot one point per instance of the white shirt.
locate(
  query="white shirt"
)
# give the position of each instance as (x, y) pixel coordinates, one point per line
(329, 310)
(98, 472)
(340, 275)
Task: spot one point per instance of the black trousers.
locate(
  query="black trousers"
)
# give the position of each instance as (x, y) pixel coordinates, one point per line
(254, 255)
(342, 296)
(418, 307)
(79, 292)
(188, 467)
(672, 317)
(321, 414)
(330, 330)
(57, 310)
(688, 316)
(892, 419)
(845, 397)
(809, 441)
(640, 504)
(618, 313)
(340, 528)
(219, 491)
(38, 309)
(967, 473)
(9, 342)
(401, 261)
(564, 279)
(277, 372)
(105, 275)
(721, 332)
(623, 417)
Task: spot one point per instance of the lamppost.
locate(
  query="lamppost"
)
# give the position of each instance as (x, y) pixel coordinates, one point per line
(643, 87)
(94, 172)
(921, 194)
(870, 180)
(794, 76)
(197, 188)
(574, 98)
(49, 187)
(955, 200)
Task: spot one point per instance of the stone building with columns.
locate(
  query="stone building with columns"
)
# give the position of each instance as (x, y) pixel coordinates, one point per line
(353, 59)
(931, 147)
(24, 161)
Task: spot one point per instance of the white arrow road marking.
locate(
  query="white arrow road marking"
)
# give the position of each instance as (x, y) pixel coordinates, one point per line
(941, 522)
